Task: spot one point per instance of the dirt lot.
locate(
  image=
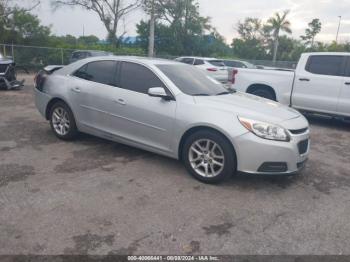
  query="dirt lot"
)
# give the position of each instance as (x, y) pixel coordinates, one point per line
(93, 196)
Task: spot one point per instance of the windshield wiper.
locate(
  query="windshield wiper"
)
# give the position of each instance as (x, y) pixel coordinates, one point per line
(201, 95)
(229, 91)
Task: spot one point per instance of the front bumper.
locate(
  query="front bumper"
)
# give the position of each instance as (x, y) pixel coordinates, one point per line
(11, 84)
(256, 155)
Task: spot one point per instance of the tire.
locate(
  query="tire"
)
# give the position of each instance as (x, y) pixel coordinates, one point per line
(265, 93)
(191, 158)
(70, 130)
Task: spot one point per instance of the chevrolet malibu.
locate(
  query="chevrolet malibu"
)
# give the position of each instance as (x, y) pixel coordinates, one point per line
(175, 110)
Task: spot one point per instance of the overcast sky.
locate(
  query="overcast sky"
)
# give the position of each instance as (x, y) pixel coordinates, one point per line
(224, 16)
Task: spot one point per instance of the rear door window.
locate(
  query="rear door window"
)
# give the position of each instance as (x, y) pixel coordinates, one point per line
(216, 62)
(230, 63)
(241, 65)
(325, 65)
(103, 72)
(76, 55)
(347, 69)
(198, 62)
(138, 78)
(187, 60)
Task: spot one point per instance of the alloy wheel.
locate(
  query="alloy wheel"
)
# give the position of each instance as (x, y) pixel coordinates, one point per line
(60, 121)
(206, 158)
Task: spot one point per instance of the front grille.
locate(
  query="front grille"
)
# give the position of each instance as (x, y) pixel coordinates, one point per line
(3, 68)
(303, 146)
(299, 131)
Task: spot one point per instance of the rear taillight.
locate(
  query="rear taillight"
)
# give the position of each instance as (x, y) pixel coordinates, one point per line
(39, 80)
(212, 69)
(234, 73)
(35, 79)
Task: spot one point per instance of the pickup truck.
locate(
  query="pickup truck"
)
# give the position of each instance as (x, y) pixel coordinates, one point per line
(320, 83)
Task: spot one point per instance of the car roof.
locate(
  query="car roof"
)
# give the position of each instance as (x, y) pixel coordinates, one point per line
(91, 51)
(146, 61)
(328, 53)
(140, 59)
(235, 60)
(202, 58)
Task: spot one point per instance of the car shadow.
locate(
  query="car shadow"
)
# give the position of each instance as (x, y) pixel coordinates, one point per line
(323, 121)
(237, 181)
(257, 182)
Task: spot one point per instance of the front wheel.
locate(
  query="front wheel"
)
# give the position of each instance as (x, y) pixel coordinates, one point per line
(62, 121)
(209, 157)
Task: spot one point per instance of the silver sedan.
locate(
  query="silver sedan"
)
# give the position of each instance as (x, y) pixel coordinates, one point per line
(175, 110)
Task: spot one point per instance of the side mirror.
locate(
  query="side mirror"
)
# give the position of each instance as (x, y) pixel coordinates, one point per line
(159, 92)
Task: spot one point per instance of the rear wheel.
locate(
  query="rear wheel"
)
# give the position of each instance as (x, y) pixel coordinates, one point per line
(209, 157)
(62, 121)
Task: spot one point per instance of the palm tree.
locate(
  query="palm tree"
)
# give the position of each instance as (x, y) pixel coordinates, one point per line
(276, 24)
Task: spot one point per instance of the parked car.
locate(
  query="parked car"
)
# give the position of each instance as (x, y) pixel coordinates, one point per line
(320, 83)
(8, 76)
(238, 64)
(212, 66)
(78, 55)
(172, 109)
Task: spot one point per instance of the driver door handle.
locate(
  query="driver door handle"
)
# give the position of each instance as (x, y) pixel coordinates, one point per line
(76, 89)
(347, 83)
(120, 101)
(304, 79)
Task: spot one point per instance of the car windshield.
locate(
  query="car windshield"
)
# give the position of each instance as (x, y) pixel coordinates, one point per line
(216, 62)
(192, 81)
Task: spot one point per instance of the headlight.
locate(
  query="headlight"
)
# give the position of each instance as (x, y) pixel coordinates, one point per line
(265, 130)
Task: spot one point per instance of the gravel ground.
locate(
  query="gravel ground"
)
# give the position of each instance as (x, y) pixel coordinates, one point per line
(93, 196)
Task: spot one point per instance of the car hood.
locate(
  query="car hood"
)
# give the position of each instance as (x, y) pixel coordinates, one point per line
(249, 106)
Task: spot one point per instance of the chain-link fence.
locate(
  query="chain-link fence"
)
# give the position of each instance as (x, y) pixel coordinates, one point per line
(35, 57)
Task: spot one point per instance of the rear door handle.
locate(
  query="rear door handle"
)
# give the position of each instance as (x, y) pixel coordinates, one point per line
(347, 83)
(76, 89)
(304, 79)
(120, 101)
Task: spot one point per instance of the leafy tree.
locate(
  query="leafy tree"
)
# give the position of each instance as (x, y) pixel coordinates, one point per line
(180, 29)
(314, 28)
(9, 8)
(162, 40)
(249, 49)
(250, 28)
(211, 44)
(154, 9)
(88, 40)
(290, 49)
(69, 40)
(276, 24)
(110, 12)
(25, 28)
(185, 21)
(252, 40)
(336, 47)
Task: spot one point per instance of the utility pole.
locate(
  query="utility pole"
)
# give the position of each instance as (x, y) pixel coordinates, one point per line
(151, 32)
(336, 39)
